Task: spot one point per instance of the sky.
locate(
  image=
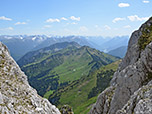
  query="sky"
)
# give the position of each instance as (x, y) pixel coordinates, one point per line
(73, 17)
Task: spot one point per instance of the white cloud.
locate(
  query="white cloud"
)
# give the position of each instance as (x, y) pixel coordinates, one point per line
(123, 5)
(83, 29)
(75, 18)
(52, 20)
(98, 28)
(47, 26)
(118, 19)
(20, 23)
(107, 27)
(127, 26)
(74, 23)
(5, 18)
(9, 28)
(146, 1)
(136, 18)
(63, 18)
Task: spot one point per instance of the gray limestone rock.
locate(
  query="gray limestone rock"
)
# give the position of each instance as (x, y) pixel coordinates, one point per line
(133, 73)
(16, 95)
(140, 102)
(103, 102)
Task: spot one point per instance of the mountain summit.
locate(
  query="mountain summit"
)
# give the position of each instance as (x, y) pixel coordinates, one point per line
(60, 64)
(131, 87)
(16, 96)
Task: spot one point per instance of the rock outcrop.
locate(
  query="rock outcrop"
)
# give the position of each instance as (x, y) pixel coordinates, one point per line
(66, 109)
(16, 95)
(131, 87)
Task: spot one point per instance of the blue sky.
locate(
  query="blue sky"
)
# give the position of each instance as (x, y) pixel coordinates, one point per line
(73, 17)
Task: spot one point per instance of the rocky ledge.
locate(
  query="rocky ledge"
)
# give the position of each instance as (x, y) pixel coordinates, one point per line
(131, 87)
(16, 95)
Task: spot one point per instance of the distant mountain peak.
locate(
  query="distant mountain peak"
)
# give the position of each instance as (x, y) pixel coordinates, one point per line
(21, 44)
(118, 52)
(48, 69)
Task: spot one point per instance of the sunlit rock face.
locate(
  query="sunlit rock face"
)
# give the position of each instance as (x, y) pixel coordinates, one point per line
(16, 95)
(131, 87)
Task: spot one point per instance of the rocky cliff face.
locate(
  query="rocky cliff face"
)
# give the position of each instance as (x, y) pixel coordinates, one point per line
(131, 87)
(16, 96)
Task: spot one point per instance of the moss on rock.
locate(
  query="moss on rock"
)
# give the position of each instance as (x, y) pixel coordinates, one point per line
(146, 37)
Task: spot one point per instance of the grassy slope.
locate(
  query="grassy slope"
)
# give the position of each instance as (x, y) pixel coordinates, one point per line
(66, 74)
(85, 107)
(77, 95)
(74, 67)
(63, 66)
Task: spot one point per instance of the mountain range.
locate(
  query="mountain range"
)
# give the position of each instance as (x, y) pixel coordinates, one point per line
(109, 43)
(19, 45)
(59, 71)
(119, 52)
